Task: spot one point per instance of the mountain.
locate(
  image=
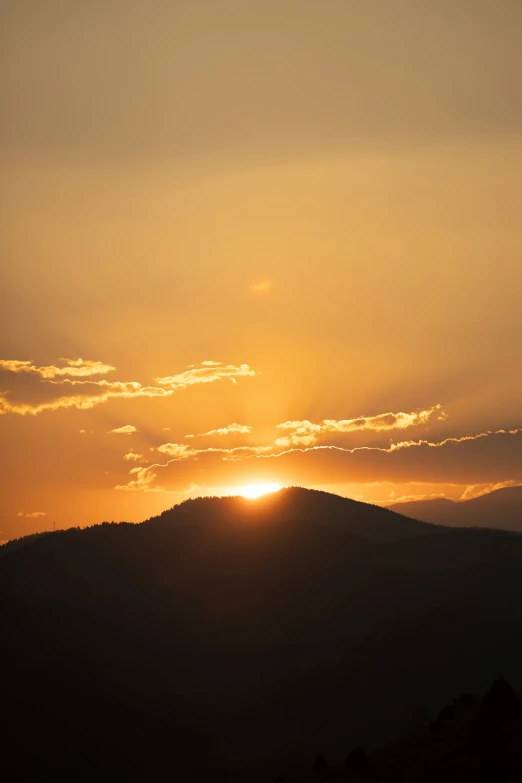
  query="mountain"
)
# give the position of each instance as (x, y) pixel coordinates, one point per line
(296, 504)
(500, 509)
(230, 639)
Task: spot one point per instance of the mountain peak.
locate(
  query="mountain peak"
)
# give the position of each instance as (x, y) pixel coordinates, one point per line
(297, 505)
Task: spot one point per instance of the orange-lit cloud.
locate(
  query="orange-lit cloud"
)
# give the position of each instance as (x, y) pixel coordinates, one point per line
(234, 428)
(306, 433)
(477, 490)
(180, 451)
(488, 457)
(207, 372)
(74, 367)
(127, 429)
(143, 481)
(32, 514)
(393, 498)
(133, 456)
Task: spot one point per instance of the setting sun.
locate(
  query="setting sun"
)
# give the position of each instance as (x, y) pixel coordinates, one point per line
(256, 490)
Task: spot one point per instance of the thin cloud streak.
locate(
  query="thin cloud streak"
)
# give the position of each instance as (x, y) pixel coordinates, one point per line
(181, 451)
(74, 367)
(208, 372)
(234, 428)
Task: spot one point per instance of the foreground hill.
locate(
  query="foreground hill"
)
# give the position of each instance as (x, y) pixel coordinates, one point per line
(501, 509)
(301, 505)
(238, 638)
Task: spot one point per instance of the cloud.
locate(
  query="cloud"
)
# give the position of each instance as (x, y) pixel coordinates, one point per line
(207, 372)
(409, 498)
(178, 450)
(477, 490)
(233, 428)
(32, 514)
(144, 478)
(143, 481)
(74, 367)
(82, 402)
(127, 429)
(306, 433)
(483, 458)
(132, 456)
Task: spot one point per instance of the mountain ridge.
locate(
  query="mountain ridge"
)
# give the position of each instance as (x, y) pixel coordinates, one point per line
(500, 509)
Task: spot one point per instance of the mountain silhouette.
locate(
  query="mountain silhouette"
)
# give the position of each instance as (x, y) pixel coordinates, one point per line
(297, 504)
(238, 640)
(500, 509)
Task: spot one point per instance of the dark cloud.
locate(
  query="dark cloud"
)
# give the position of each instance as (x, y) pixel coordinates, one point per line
(479, 459)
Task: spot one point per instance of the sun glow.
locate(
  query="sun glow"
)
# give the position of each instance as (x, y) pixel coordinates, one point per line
(257, 490)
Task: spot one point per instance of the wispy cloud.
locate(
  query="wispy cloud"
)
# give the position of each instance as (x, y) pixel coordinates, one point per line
(73, 367)
(241, 429)
(31, 514)
(477, 490)
(306, 433)
(303, 434)
(127, 429)
(410, 498)
(133, 456)
(181, 451)
(492, 458)
(142, 481)
(207, 372)
(178, 450)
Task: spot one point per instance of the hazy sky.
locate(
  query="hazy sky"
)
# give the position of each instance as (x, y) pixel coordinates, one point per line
(288, 229)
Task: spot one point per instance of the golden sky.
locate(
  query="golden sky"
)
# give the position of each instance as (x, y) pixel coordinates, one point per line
(257, 241)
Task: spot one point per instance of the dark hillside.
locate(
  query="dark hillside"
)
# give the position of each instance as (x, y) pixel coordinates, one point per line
(247, 633)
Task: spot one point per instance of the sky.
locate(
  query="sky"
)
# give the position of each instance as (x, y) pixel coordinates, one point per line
(257, 243)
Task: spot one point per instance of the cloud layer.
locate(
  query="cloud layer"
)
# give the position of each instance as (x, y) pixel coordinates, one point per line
(207, 372)
(486, 457)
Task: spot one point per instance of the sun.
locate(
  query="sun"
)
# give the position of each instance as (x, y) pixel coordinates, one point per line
(254, 491)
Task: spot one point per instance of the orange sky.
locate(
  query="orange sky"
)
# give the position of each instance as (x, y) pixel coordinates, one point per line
(273, 240)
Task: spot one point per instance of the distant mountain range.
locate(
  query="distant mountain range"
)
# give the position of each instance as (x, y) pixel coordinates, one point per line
(500, 509)
(234, 640)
